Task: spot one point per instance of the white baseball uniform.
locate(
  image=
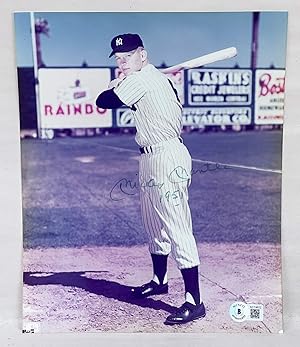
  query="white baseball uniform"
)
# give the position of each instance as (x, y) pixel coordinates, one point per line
(165, 167)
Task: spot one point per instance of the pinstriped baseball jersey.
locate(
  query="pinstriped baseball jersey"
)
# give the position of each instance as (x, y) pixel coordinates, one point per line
(164, 199)
(157, 110)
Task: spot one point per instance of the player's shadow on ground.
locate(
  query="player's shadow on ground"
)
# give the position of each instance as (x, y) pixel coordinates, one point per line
(106, 288)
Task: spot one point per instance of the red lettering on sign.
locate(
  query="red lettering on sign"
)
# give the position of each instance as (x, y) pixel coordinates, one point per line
(48, 108)
(77, 109)
(89, 108)
(268, 87)
(60, 110)
(101, 110)
(73, 109)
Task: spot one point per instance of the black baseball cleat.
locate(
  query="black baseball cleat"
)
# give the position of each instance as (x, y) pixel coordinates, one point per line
(148, 289)
(186, 313)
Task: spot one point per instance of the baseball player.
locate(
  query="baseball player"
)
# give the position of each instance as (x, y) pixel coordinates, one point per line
(164, 171)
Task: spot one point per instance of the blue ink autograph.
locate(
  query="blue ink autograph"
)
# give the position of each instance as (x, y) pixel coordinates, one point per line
(178, 175)
(174, 196)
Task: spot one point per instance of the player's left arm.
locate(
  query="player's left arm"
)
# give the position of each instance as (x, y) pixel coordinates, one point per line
(108, 98)
(127, 92)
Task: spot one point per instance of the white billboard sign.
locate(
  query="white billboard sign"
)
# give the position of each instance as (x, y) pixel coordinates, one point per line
(217, 116)
(269, 96)
(217, 87)
(67, 98)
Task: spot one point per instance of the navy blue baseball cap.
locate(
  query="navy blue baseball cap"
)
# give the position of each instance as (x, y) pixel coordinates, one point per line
(125, 43)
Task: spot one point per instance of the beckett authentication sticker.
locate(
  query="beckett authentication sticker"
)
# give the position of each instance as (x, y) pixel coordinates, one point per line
(256, 312)
(241, 311)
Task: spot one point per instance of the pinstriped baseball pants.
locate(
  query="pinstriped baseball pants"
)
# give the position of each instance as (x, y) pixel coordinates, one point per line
(164, 178)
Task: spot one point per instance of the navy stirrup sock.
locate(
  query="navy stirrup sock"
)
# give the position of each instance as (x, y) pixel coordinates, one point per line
(159, 266)
(191, 283)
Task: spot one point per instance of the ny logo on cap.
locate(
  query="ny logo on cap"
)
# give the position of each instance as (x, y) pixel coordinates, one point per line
(119, 41)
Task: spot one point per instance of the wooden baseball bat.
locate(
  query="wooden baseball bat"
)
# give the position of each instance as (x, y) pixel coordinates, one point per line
(223, 54)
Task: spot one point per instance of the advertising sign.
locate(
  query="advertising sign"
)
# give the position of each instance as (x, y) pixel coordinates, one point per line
(219, 87)
(198, 116)
(67, 98)
(269, 96)
(216, 116)
(125, 118)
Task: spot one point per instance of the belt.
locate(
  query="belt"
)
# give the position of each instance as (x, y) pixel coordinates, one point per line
(149, 149)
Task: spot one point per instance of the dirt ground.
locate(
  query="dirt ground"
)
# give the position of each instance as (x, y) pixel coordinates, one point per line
(88, 289)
